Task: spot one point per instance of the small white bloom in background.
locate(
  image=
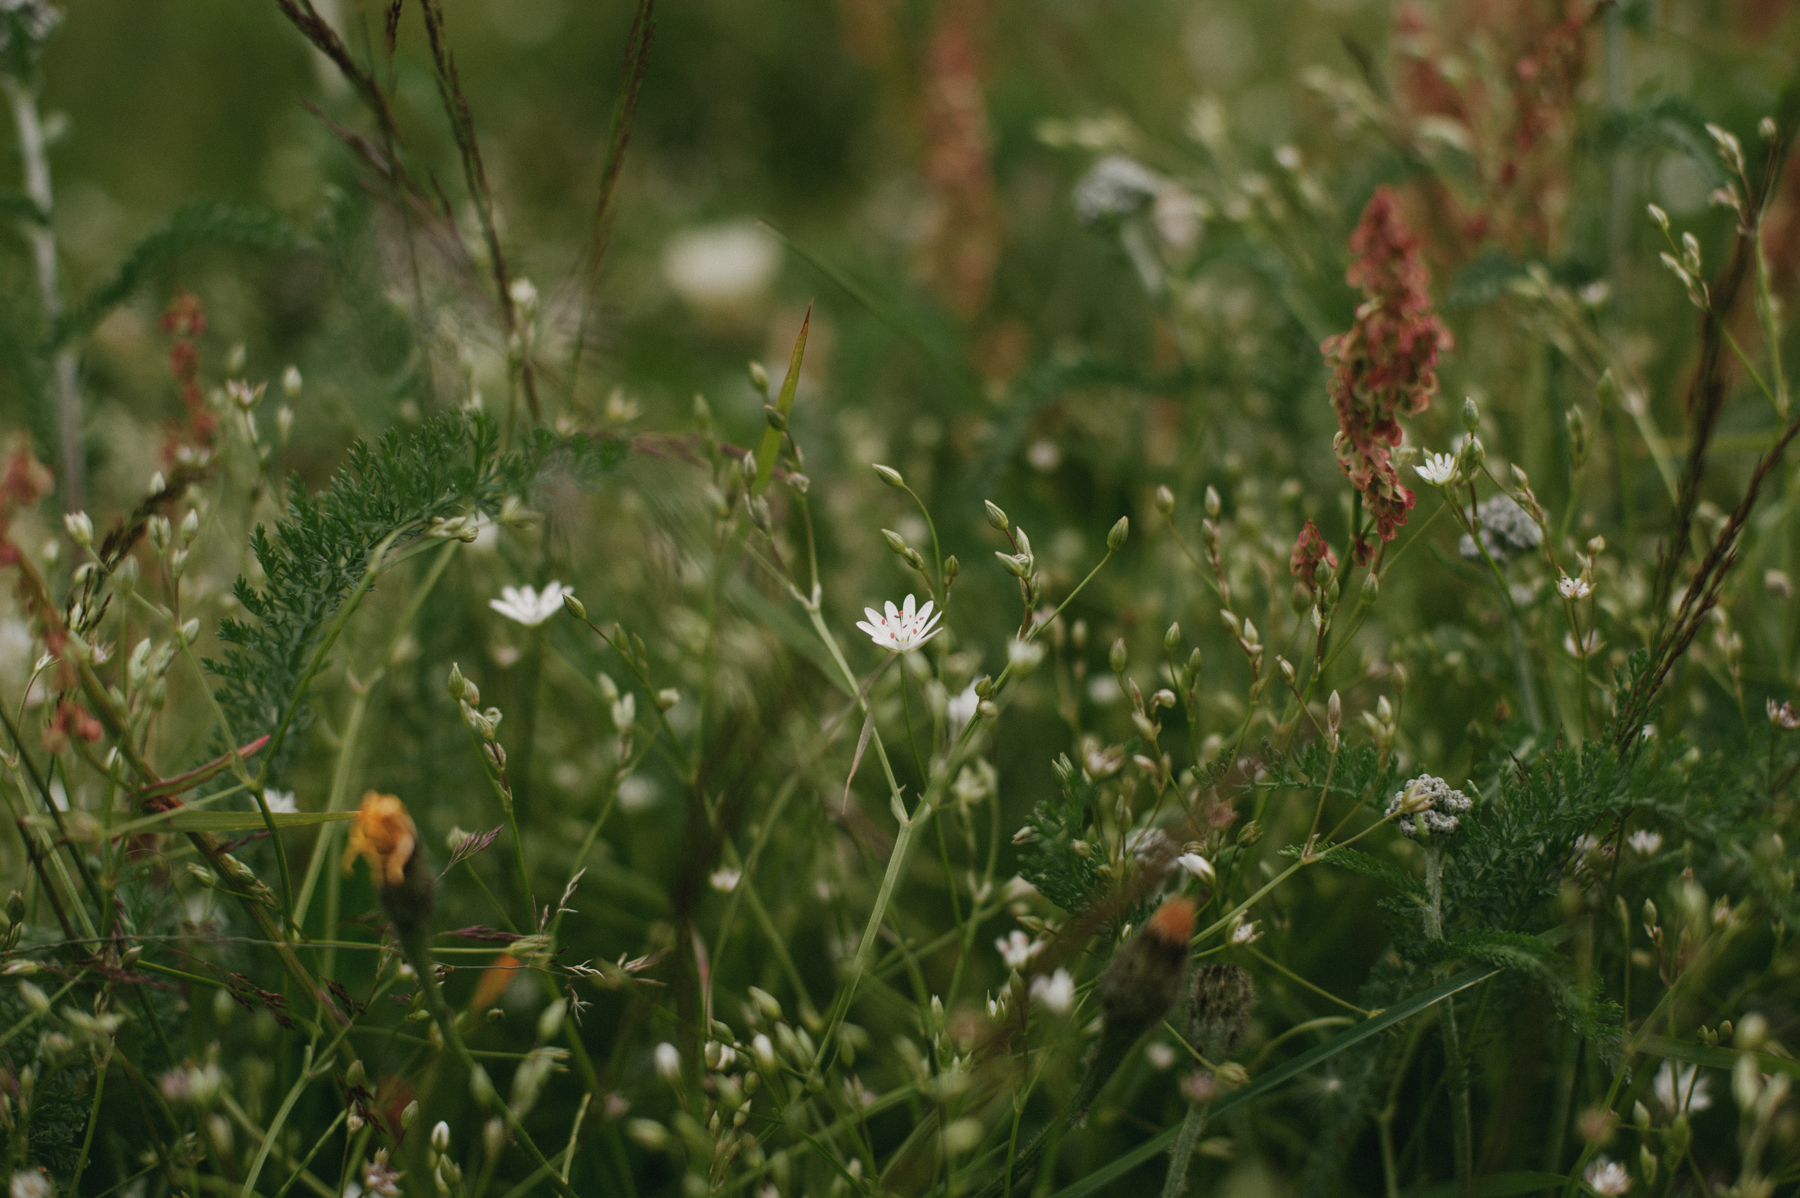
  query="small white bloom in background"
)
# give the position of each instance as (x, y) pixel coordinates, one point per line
(961, 709)
(1606, 1176)
(1245, 932)
(281, 802)
(528, 606)
(668, 1061)
(637, 793)
(903, 629)
(1044, 456)
(723, 267)
(725, 880)
(379, 1177)
(1024, 655)
(1573, 588)
(27, 1183)
(1160, 1055)
(1681, 1090)
(1591, 643)
(1056, 992)
(1197, 865)
(1644, 841)
(1439, 469)
(1017, 949)
(1783, 717)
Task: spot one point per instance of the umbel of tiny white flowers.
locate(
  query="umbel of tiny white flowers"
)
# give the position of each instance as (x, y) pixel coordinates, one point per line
(531, 607)
(902, 630)
(1429, 805)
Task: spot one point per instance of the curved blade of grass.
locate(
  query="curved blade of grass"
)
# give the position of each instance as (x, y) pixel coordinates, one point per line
(208, 821)
(1285, 1072)
(784, 403)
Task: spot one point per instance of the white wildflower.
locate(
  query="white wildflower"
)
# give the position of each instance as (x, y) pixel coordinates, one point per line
(1682, 1089)
(27, 1183)
(1056, 992)
(1113, 187)
(1439, 469)
(725, 880)
(1197, 865)
(1507, 530)
(1017, 949)
(961, 709)
(1160, 1055)
(379, 1177)
(1645, 842)
(281, 802)
(1606, 1176)
(668, 1062)
(531, 607)
(1245, 932)
(1589, 644)
(1573, 588)
(901, 630)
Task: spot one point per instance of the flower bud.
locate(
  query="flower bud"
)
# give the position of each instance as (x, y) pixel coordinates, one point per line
(457, 682)
(1471, 415)
(80, 528)
(774, 418)
(667, 698)
(481, 1087)
(952, 568)
(190, 526)
(575, 606)
(995, 516)
(291, 382)
(355, 1075)
(759, 377)
(1115, 539)
(550, 1021)
(1212, 503)
(1117, 657)
(1220, 1003)
(409, 1114)
(1172, 639)
(1165, 501)
(440, 1136)
(894, 540)
(1657, 215)
(890, 476)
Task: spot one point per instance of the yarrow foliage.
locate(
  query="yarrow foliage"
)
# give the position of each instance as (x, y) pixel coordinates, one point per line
(1385, 365)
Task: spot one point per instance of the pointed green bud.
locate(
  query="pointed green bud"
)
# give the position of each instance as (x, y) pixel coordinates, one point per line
(1471, 415)
(890, 476)
(1118, 657)
(952, 568)
(1115, 539)
(1165, 501)
(1172, 639)
(759, 378)
(894, 541)
(574, 605)
(995, 516)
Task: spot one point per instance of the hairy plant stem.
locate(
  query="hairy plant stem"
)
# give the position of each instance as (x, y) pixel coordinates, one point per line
(1461, 1124)
(64, 367)
(1182, 1155)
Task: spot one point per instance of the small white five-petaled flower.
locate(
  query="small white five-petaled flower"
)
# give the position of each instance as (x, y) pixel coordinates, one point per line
(1017, 949)
(531, 607)
(902, 630)
(281, 802)
(1644, 841)
(1439, 469)
(1573, 588)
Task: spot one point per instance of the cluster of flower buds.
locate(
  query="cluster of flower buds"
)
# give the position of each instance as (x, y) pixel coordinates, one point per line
(484, 725)
(1687, 267)
(1380, 724)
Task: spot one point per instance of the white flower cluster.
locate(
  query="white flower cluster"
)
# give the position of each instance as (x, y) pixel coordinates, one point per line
(1114, 186)
(1507, 530)
(1429, 804)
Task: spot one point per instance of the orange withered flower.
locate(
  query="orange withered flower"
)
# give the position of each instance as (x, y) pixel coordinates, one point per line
(384, 834)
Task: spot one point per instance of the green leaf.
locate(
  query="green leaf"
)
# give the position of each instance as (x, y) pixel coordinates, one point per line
(1358, 862)
(770, 448)
(1282, 1073)
(207, 222)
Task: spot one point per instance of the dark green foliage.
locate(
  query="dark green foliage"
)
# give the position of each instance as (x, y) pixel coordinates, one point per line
(205, 222)
(316, 557)
(1066, 877)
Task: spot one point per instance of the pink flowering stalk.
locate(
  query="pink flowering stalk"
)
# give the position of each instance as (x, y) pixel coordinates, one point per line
(1385, 366)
